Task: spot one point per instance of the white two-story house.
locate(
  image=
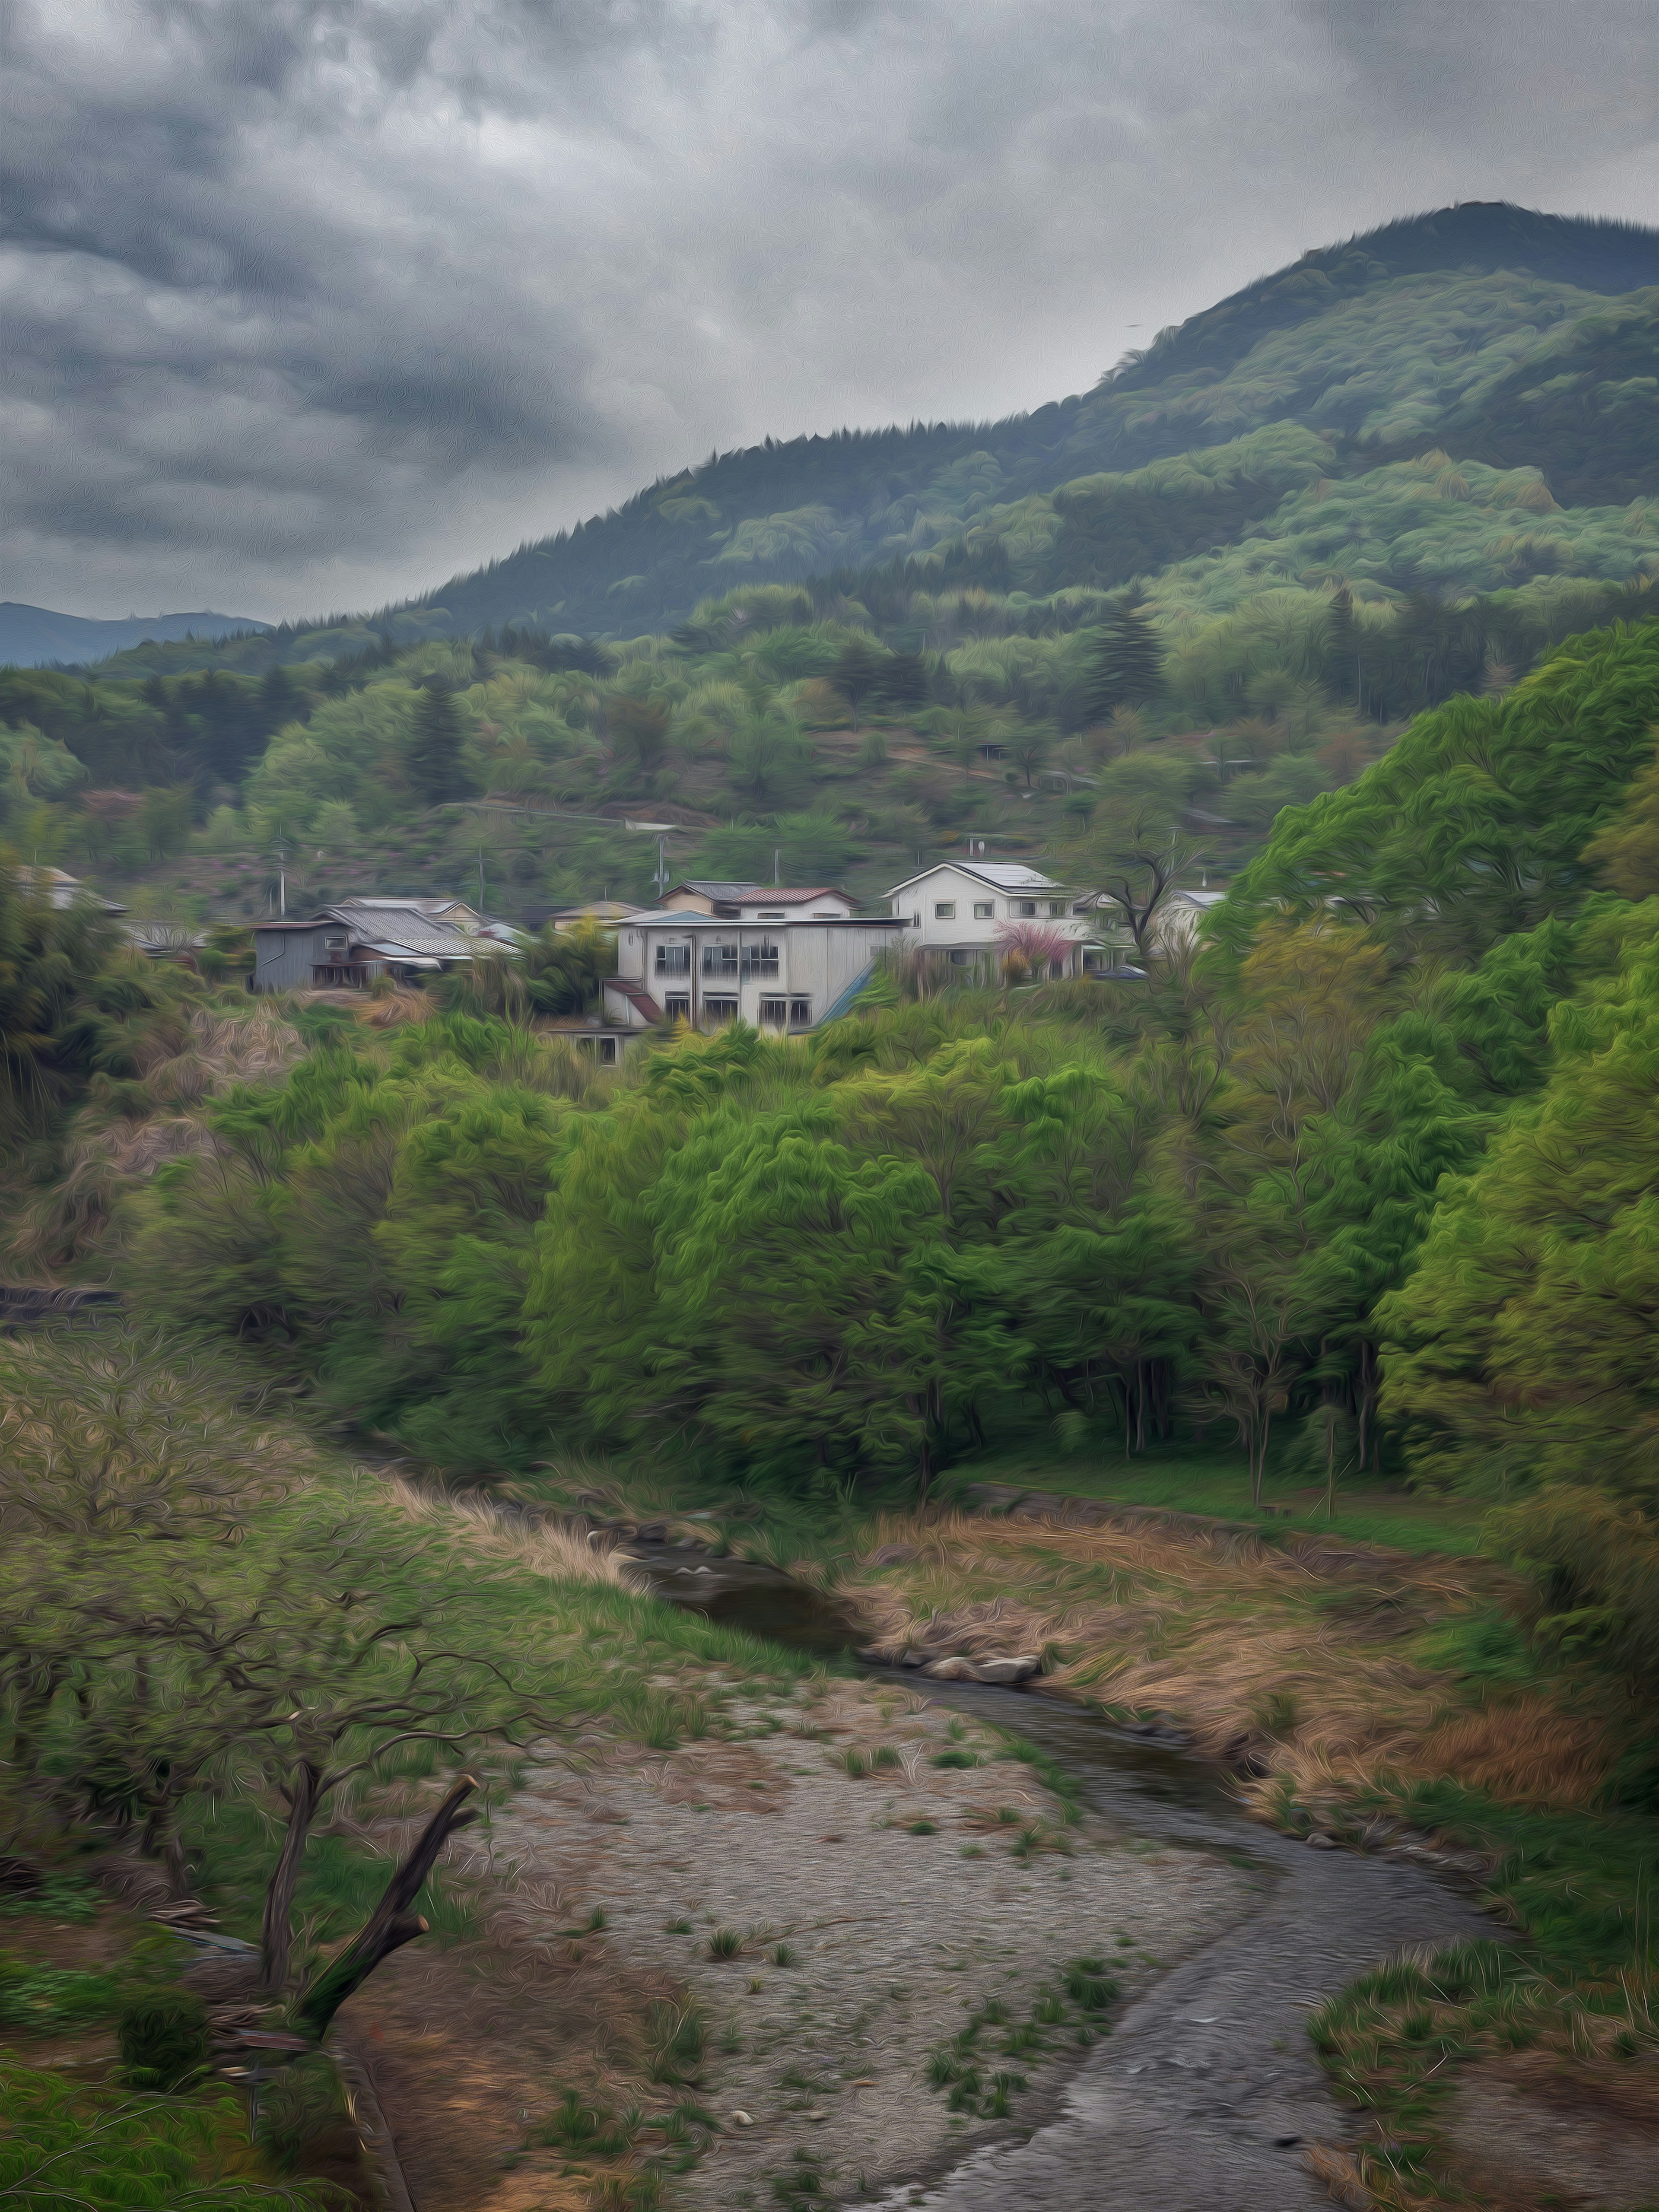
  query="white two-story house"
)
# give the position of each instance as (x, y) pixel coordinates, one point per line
(779, 958)
(960, 909)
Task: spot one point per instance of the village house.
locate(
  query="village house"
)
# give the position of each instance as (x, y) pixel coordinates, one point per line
(350, 944)
(779, 957)
(1176, 921)
(732, 901)
(53, 888)
(960, 910)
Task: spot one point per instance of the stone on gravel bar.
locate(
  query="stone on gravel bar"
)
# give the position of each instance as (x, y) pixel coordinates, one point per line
(1016, 1670)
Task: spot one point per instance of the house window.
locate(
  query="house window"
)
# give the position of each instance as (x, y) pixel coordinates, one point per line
(1026, 909)
(721, 961)
(945, 910)
(984, 909)
(761, 959)
(1056, 905)
(719, 1010)
(800, 1014)
(673, 960)
(678, 1007)
(772, 914)
(774, 1012)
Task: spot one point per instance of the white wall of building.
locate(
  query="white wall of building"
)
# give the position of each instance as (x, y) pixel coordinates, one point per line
(777, 975)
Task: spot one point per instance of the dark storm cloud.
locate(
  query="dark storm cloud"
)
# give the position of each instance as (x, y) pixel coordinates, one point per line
(318, 299)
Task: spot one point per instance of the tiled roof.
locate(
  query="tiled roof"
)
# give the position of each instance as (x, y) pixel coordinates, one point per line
(637, 995)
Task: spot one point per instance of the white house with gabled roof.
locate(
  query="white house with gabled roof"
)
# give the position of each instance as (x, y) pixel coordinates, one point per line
(959, 908)
(780, 957)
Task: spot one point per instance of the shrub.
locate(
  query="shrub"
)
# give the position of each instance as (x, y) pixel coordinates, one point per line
(163, 2041)
(303, 2102)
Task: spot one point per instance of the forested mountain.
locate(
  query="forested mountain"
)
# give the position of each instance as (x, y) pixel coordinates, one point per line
(1218, 584)
(1488, 333)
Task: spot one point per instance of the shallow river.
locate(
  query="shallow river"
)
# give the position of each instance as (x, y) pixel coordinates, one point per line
(1203, 2096)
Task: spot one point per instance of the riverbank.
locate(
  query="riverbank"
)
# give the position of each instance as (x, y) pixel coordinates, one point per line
(873, 1939)
(1369, 1699)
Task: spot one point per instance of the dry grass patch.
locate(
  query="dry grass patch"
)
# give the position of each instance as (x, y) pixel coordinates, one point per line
(560, 1552)
(1307, 1678)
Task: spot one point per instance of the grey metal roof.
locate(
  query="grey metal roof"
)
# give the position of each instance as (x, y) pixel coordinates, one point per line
(1001, 875)
(683, 918)
(727, 891)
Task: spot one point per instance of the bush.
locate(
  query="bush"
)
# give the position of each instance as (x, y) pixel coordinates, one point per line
(68, 2149)
(164, 2041)
(305, 2101)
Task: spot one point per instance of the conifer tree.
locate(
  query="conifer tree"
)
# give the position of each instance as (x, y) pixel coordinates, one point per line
(1342, 665)
(279, 699)
(431, 753)
(858, 672)
(1127, 669)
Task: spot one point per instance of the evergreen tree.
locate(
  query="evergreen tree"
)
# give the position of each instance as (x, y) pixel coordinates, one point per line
(279, 699)
(904, 684)
(432, 752)
(1126, 668)
(1343, 673)
(860, 672)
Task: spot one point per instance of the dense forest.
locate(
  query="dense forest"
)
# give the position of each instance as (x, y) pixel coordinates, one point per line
(1373, 1164)
(788, 729)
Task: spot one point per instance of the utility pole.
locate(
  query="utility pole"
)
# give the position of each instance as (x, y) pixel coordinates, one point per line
(481, 883)
(282, 873)
(777, 851)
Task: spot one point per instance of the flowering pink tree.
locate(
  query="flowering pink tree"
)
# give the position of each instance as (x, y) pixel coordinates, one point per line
(1031, 948)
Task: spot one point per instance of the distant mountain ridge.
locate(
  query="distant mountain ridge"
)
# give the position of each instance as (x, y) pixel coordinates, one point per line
(34, 637)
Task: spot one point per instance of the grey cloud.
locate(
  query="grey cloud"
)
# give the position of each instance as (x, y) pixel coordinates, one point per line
(314, 300)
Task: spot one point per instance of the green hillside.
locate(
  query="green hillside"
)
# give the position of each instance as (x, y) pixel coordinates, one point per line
(1405, 468)
(1491, 333)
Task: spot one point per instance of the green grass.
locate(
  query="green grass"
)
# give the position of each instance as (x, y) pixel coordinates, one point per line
(67, 2147)
(780, 1528)
(1581, 1886)
(1180, 1479)
(43, 2000)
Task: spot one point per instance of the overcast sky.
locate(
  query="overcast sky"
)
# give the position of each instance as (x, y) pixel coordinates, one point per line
(311, 303)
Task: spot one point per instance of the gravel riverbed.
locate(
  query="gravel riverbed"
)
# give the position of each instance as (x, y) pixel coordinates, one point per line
(909, 1896)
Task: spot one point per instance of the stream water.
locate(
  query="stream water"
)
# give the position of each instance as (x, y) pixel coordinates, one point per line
(1204, 2094)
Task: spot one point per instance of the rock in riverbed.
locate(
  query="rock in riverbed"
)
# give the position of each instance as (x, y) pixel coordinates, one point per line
(1004, 1672)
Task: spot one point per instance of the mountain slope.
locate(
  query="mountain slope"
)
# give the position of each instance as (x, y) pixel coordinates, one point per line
(1485, 331)
(1454, 331)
